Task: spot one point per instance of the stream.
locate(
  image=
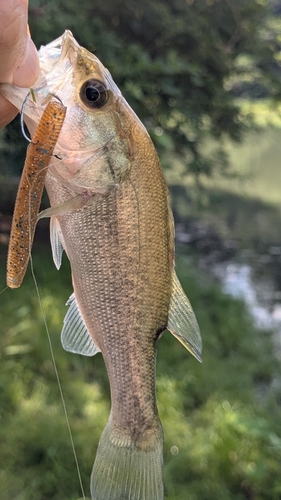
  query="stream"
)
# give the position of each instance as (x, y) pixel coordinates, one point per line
(243, 274)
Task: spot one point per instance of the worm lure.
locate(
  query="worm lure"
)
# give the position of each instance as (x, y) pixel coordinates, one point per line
(30, 190)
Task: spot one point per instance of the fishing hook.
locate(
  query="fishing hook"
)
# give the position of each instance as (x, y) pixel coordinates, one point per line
(22, 117)
(31, 92)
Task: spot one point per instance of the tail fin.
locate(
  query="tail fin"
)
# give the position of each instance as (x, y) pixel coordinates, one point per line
(126, 471)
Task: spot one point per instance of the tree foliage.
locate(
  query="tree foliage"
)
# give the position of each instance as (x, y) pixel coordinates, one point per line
(177, 62)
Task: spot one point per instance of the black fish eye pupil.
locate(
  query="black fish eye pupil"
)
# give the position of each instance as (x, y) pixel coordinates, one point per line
(94, 94)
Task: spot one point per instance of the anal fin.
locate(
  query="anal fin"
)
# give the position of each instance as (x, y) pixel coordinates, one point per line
(75, 336)
(182, 322)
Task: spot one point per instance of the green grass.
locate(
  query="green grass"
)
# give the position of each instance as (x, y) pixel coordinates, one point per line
(221, 432)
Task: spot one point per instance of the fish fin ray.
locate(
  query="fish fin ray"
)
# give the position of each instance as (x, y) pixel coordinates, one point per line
(57, 243)
(125, 471)
(74, 203)
(182, 322)
(75, 336)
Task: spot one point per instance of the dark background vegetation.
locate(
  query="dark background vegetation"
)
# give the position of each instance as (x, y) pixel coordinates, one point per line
(204, 76)
(180, 63)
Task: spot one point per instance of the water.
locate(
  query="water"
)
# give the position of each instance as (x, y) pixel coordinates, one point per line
(244, 275)
(237, 280)
(259, 294)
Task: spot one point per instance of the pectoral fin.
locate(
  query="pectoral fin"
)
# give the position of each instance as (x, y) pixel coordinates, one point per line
(78, 201)
(75, 336)
(182, 322)
(56, 241)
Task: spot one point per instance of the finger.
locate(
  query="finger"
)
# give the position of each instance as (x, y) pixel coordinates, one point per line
(18, 55)
(13, 22)
(27, 72)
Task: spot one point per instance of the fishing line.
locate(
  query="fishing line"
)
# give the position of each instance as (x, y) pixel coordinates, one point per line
(57, 377)
(22, 125)
(32, 94)
(50, 342)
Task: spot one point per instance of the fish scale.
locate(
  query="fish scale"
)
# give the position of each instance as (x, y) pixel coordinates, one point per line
(116, 314)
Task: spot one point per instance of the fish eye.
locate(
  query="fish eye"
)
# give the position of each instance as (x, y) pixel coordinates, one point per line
(94, 94)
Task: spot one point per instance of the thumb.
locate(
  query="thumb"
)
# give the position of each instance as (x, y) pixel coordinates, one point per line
(17, 55)
(27, 72)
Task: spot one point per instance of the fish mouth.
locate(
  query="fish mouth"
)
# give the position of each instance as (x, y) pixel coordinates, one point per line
(56, 67)
(51, 55)
(57, 60)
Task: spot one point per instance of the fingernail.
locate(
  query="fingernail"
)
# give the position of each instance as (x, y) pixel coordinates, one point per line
(27, 73)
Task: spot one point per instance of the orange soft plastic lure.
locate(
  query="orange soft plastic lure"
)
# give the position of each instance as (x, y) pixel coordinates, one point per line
(30, 191)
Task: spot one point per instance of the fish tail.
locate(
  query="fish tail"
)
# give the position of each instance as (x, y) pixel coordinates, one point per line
(126, 470)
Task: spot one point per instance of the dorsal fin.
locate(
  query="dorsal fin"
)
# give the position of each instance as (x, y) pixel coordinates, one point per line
(182, 322)
(75, 336)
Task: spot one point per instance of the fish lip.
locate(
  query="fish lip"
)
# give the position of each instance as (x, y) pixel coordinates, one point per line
(56, 62)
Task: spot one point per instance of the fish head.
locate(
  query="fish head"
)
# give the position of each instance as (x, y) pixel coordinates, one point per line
(98, 117)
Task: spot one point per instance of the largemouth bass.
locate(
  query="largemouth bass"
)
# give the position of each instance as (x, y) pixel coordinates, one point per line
(110, 212)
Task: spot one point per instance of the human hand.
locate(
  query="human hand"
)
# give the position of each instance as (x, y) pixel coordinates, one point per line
(19, 62)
